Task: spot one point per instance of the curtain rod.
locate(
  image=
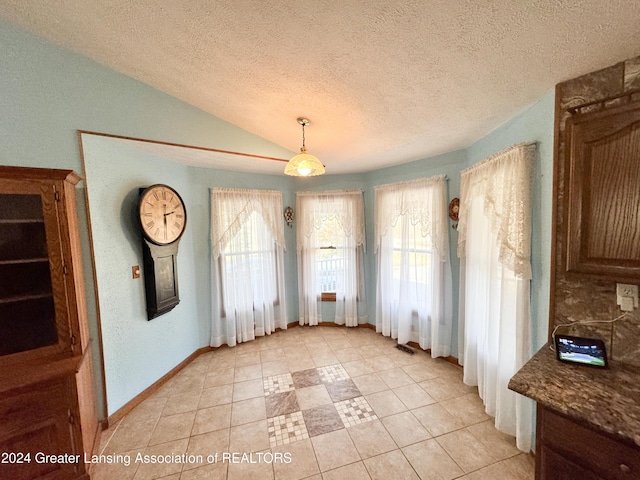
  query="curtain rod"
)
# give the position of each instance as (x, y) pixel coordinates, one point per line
(330, 192)
(498, 154)
(413, 181)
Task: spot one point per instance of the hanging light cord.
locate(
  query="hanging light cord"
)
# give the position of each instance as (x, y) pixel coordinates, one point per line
(303, 146)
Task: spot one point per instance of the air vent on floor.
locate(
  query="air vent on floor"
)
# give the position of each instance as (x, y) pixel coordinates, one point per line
(404, 348)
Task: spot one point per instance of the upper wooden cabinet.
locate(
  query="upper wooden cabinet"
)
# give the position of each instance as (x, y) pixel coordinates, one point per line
(47, 400)
(33, 306)
(602, 202)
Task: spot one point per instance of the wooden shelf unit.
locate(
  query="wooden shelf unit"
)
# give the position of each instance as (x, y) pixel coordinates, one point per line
(47, 400)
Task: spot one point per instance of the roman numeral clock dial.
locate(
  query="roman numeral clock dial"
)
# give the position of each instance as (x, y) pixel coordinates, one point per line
(162, 214)
(163, 218)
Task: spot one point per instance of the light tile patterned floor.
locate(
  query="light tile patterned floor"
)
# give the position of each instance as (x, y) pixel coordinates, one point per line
(350, 406)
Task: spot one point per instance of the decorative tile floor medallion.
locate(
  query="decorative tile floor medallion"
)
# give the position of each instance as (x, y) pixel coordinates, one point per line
(278, 384)
(287, 428)
(355, 411)
(332, 373)
(288, 423)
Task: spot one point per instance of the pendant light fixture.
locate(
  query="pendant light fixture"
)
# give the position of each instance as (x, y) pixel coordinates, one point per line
(304, 164)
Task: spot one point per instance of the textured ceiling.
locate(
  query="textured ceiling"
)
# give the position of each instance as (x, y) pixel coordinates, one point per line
(383, 82)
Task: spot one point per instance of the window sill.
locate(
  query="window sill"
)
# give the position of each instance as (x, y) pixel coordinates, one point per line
(328, 297)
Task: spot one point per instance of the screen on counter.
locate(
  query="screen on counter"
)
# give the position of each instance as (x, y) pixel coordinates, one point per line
(586, 351)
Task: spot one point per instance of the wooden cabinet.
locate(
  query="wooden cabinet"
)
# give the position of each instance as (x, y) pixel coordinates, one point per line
(567, 450)
(602, 178)
(45, 356)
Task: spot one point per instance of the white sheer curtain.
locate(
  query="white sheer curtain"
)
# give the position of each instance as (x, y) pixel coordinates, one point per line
(247, 239)
(413, 301)
(333, 220)
(494, 243)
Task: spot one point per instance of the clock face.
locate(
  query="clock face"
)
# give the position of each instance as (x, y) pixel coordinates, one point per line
(163, 216)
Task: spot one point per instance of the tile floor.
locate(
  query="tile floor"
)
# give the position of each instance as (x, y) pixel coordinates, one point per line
(312, 402)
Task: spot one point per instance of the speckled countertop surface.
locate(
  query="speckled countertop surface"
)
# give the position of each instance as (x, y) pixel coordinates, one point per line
(607, 399)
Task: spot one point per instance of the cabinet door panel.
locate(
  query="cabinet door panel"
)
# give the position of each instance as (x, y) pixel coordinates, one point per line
(36, 422)
(33, 308)
(613, 200)
(603, 195)
(553, 466)
(611, 459)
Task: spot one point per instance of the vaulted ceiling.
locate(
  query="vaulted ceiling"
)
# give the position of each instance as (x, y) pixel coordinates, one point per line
(382, 82)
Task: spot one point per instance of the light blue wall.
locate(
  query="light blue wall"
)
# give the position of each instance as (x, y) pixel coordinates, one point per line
(136, 351)
(535, 124)
(48, 94)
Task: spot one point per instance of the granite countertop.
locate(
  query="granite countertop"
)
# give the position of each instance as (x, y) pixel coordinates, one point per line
(606, 399)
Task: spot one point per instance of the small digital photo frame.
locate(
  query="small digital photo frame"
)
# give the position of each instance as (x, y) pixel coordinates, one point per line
(584, 351)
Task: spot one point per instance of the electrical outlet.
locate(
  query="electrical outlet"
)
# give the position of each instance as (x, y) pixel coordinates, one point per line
(627, 296)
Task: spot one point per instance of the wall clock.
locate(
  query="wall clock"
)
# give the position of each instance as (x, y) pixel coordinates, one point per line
(163, 219)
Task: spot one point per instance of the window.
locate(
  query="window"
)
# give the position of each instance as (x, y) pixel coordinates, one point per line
(413, 301)
(330, 256)
(494, 245)
(247, 260)
(412, 253)
(247, 237)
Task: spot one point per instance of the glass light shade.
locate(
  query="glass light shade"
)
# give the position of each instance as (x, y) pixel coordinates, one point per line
(304, 165)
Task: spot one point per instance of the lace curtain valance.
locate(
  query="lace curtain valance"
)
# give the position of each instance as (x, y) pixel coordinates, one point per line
(345, 208)
(505, 181)
(231, 208)
(423, 201)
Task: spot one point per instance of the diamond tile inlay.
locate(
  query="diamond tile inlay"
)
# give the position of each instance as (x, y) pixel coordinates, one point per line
(355, 411)
(323, 419)
(278, 384)
(342, 390)
(281, 404)
(306, 378)
(333, 373)
(286, 429)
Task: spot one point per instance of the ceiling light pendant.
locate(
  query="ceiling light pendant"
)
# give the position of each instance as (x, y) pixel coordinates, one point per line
(304, 164)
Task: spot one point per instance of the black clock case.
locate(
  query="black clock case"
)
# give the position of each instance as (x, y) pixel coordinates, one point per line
(160, 277)
(160, 264)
